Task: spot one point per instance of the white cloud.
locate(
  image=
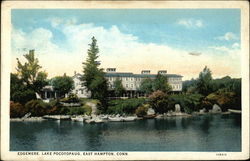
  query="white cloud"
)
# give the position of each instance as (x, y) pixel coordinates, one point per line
(117, 49)
(191, 23)
(236, 45)
(227, 36)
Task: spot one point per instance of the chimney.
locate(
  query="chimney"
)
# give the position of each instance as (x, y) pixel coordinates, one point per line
(111, 70)
(162, 72)
(145, 72)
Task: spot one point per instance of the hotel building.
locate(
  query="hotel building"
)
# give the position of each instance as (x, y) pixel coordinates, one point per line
(130, 81)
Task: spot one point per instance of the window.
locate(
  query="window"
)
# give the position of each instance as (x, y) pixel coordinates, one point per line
(131, 79)
(139, 79)
(131, 85)
(126, 79)
(135, 79)
(126, 85)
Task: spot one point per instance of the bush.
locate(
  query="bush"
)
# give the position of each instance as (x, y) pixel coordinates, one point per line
(142, 110)
(72, 98)
(188, 102)
(158, 100)
(127, 106)
(37, 107)
(223, 98)
(87, 110)
(17, 110)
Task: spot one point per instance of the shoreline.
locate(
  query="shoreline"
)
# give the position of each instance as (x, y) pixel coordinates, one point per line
(71, 117)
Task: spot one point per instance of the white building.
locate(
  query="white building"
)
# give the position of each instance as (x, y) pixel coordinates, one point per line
(131, 82)
(79, 89)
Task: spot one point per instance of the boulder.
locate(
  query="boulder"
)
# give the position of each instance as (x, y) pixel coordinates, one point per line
(150, 111)
(177, 108)
(216, 109)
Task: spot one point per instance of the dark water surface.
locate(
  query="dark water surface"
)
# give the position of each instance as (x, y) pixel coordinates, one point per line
(197, 133)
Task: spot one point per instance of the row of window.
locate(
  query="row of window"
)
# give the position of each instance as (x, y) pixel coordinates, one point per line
(177, 86)
(174, 79)
(124, 78)
(80, 91)
(126, 85)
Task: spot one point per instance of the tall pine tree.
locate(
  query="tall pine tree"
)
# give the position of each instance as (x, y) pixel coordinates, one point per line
(93, 76)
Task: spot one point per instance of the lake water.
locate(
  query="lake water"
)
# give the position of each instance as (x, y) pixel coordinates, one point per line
(197, 133)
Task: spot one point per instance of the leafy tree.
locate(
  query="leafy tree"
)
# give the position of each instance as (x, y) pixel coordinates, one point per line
(62, 84)
(20, 92)
(93, 77)
(151, 85)
(146, 86)
(118, 87)
(204, 81)
(159, 101)
(30, 73)
(161, 83)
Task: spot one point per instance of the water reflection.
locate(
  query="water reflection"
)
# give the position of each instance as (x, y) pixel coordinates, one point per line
(198, 133)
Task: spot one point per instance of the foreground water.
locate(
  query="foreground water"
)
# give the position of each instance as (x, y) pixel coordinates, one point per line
(197, 133)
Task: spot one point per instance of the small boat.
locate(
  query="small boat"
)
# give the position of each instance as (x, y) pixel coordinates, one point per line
(159, 117)
(149, 116)
(90, 121)
(234, 111)
(105, 117)
(98, 120)
(115, 119)
(78, 118)
(130, 118)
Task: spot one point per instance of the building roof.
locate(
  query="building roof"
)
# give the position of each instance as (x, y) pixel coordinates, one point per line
(138, 75)
(127, 74)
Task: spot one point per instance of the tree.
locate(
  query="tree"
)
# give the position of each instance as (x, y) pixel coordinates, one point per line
(161, 83)
(28, 80)
(118, 87)
(204, 81)
(159, 101)
(146, 86)
(93, 77)
(62, 84)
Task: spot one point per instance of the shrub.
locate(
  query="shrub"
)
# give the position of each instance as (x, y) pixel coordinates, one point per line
(37, 107)
(158, 100)
(72, 98)
(17, 110)
(142, 110)
(87, 110)
(76, 111)
(223, 98)
(127, 106)
(188, 102)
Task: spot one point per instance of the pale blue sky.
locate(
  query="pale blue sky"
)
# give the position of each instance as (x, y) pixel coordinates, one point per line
(212, 32)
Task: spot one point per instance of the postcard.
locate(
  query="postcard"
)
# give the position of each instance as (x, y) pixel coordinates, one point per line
(124, 80)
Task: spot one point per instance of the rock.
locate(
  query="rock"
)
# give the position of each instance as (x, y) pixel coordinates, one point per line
(216, 109)
(202, 110)
(177, 108)
(150, 111)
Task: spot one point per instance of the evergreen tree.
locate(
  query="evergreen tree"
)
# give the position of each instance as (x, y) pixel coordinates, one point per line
(93, 77)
